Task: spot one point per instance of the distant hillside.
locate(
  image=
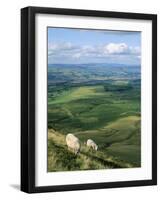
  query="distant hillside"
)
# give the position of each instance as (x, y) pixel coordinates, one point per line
(90, 74)
(91, 65)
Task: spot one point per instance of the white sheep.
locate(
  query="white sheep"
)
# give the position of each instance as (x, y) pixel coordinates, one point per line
(73, 143)
(92, 144)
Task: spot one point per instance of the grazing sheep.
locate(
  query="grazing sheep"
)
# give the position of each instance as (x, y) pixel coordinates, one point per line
(73, 143)
(92, 144)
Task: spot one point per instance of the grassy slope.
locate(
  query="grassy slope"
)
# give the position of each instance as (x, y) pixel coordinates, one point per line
(76, 93)
(120, 139)
(111, 119)
(62, 159)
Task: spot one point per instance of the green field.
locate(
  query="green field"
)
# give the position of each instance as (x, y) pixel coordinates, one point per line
(108, 113)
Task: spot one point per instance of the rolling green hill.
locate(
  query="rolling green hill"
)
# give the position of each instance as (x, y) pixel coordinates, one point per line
(111, 117)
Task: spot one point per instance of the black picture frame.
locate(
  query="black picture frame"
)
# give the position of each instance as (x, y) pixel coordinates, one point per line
(28, 98)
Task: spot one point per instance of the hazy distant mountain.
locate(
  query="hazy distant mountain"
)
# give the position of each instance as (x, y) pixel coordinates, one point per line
(92, 65)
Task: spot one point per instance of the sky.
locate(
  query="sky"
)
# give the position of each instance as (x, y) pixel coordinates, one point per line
(69, 45)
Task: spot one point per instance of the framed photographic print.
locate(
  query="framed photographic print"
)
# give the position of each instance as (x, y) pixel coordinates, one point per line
(88, 99)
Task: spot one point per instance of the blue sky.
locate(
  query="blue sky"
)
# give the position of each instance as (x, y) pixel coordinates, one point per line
(67, 45)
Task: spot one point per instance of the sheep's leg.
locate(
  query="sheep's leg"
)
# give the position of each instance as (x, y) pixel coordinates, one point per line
(90, 148)
(75, 151)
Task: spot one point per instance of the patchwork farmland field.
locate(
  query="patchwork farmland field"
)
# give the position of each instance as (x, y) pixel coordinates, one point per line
(97, 102)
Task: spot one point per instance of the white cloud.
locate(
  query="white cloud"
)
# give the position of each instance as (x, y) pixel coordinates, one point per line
(114, 48)
(67, 50)
(76, 55)
(62, 46)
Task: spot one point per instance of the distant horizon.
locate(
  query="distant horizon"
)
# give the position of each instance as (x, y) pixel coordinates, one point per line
(95, 63)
